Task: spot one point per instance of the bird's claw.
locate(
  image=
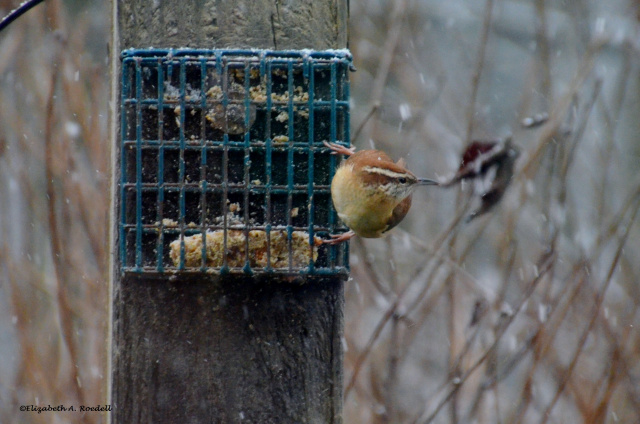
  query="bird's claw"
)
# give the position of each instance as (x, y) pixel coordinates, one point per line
(340, 150)
(339, 238)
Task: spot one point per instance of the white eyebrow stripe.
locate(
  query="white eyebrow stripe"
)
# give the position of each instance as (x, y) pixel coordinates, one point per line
(385, 172)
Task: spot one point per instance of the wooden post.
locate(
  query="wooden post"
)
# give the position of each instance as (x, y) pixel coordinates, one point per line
(238, 349)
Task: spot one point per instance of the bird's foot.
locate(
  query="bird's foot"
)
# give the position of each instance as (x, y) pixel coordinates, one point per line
(340, 150)
(339, 238)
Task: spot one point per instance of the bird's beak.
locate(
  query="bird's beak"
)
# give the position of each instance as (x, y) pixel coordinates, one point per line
(426, 181)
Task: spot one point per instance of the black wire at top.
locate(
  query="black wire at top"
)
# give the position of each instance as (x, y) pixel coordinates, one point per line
(16, 13)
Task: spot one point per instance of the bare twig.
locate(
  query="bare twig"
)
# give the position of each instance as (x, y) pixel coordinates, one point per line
(477, 73)
(598, 304)
(458, 382)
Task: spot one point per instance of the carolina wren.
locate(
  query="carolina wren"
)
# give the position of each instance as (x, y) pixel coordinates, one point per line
(370, 192)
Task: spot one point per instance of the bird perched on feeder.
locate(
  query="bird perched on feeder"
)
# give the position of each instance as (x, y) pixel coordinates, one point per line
(371, 192)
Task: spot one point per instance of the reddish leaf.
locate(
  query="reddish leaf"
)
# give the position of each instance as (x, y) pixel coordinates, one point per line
(474, 150)
(491, 164)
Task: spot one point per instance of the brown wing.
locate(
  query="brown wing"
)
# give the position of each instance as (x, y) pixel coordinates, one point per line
(399, 213)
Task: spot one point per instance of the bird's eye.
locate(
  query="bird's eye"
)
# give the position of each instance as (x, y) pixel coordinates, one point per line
(402, 180)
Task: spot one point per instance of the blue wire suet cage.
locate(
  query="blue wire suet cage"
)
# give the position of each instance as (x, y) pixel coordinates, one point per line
(223, 167)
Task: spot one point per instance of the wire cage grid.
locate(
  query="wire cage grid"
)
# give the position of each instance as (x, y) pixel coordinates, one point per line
(200, 131)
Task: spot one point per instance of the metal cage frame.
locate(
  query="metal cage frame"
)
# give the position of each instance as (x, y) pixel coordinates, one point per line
(190, 147)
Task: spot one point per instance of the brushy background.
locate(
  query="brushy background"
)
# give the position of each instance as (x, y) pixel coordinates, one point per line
(527, 314)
